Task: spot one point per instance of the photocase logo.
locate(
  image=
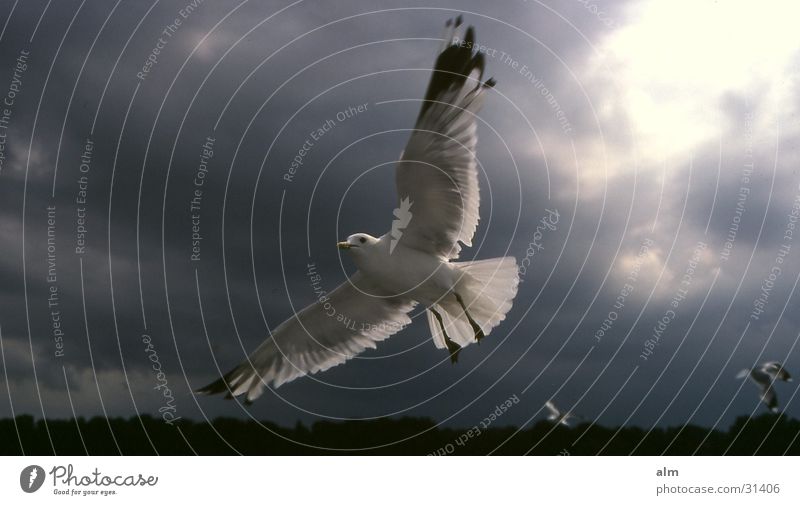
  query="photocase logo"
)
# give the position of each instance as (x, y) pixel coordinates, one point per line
(402, 218)
(31, 478)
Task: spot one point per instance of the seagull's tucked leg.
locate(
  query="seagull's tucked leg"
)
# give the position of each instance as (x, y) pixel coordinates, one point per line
(475, 327)
(452, 347)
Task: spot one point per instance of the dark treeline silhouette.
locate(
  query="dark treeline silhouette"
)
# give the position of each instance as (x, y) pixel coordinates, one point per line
(767, 434)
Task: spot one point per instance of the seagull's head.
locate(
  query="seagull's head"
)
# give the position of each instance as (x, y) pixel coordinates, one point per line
(358, 242)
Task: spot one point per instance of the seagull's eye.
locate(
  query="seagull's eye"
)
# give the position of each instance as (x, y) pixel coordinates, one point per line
(362, 240)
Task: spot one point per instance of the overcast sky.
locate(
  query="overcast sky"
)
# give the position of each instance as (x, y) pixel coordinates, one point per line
(663, 134)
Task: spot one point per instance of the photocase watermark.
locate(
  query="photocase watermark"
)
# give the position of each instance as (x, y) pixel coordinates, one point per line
(744, 189)
(169, 408)
(166, 35)
(82, 195)
(547, 223)
(680, 294)
(7, 105)
(195, 204)
(331, 311)
(625, 291)
(595, 9)
(527, 73)
(316, 135)
(768, 282)
(402, 218)
(31, 478)
(67, 482)
(477, 429)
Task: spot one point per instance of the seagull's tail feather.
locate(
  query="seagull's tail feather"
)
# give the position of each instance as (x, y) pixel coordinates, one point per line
(742, 374)
(486, 289)
(241, 379)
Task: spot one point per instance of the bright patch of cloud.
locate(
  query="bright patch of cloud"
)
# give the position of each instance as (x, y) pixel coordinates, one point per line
(675, 61)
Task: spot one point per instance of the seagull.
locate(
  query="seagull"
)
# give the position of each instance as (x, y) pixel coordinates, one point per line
(414, 263)
(764, 376)
(558, 417)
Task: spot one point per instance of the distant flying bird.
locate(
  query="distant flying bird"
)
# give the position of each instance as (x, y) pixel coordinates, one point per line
(558, 417)
(438, 208)
(764, 376)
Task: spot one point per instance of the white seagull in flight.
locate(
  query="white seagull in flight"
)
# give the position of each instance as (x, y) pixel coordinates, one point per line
(764, 376)
(438, 200)
(558, 417)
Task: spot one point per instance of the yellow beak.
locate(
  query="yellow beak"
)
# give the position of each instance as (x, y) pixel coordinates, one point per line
(342, 245)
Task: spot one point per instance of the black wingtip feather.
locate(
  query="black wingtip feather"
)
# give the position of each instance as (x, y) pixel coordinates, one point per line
(479, 62)
(469, 37)
(220, 385)
(216, 387)
(458, 21)
(453, 67)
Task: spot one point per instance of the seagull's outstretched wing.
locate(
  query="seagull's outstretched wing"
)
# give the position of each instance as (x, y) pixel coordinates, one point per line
(318, 337)
(437, 172)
